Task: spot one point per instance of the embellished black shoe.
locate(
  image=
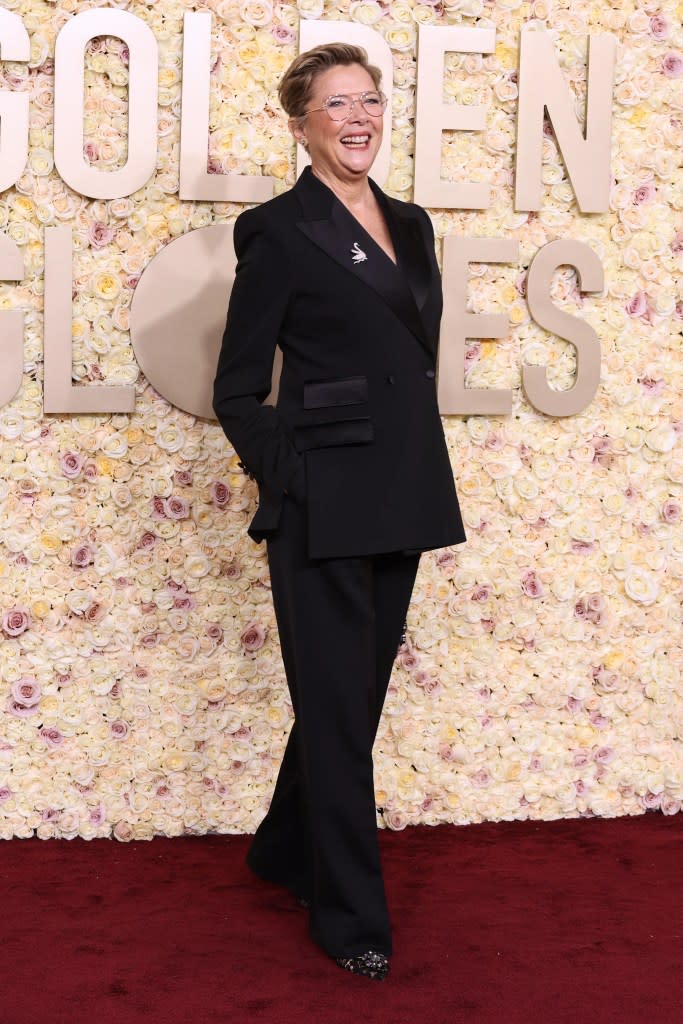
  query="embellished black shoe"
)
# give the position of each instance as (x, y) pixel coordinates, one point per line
(371, 964)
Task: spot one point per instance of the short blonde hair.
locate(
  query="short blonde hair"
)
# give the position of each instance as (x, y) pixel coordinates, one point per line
(296, 84)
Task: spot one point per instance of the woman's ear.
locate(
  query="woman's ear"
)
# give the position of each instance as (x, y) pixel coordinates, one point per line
(295, 125)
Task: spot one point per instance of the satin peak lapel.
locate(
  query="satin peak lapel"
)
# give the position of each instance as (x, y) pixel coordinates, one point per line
(411, 254)
(346, 241)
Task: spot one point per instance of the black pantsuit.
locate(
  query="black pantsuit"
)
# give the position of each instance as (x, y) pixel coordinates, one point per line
(354, 482)
(340, 622)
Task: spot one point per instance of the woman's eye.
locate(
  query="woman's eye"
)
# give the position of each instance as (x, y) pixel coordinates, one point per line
(335, 102)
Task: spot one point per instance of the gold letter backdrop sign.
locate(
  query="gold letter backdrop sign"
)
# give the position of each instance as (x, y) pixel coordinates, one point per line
(141, 684)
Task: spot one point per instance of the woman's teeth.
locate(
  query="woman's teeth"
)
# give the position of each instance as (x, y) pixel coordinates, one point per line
(355, 140)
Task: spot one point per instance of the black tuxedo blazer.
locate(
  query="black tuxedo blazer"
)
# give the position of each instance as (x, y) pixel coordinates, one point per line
(356, 431)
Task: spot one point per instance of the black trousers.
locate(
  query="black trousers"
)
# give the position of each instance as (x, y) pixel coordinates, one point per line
(340, 622)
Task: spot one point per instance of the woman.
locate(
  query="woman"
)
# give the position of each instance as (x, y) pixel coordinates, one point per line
(353, 473)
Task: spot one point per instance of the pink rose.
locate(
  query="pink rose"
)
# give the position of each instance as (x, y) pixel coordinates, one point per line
(604, 755)
(395, 820)
(677, 243)
(100, 234)
(220, 493)
(97, 815)
(184, 601)
(119, 729)
(176, 508)
(531, 584)
(659, 26)
(182, 477)
(494, 442)
(19, 710)
(472, 355)
(480, 593)
(231, 569)
(16, 621)
(81, 556)
(644, 193)
(672, 65)
(123, 831)
(147, 541)
(53, 737)
(94, 612)
(637, 306)
(671, 511)
(90, 471)
(26, 691)
(253, 636)
(158, 507)
(481, 779)
(408, 659)
(283, 34)
(71, 464)
(214, 631)
(5, 793)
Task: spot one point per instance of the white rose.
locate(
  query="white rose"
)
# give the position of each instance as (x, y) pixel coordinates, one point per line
(640, 586)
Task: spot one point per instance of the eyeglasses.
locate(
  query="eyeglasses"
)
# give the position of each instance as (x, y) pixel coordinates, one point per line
(340, 107)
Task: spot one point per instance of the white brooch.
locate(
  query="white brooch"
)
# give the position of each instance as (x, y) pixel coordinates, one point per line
(357, 253)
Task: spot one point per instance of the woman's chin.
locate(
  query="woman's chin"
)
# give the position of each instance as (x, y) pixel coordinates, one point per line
(357, 163)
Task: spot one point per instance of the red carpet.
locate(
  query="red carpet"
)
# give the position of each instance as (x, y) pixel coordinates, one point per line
(565, 921)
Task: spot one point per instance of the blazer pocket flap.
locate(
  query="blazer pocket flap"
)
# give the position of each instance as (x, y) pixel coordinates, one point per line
(328, 435)
(335, 391)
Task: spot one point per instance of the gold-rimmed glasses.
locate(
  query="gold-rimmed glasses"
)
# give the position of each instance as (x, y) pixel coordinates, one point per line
(340, 106)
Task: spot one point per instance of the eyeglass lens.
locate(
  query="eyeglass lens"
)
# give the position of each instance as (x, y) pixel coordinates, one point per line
(340, 107)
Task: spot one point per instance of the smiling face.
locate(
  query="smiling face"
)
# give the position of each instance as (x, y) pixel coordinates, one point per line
(340, 151)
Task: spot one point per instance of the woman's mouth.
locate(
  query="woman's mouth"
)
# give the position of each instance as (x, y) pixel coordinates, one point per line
(355, 141)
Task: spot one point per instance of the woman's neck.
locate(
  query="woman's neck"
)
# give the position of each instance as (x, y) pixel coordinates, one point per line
(355, 194)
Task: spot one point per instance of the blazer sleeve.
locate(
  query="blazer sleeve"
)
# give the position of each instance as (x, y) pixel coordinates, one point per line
(257, 307)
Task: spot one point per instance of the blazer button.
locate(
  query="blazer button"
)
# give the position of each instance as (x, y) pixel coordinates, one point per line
(430, 374)
(391, 379)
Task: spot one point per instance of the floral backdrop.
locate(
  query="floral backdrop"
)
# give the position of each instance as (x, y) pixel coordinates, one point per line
(141, 686)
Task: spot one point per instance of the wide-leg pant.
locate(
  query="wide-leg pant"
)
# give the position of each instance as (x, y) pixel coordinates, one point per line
(340, 622)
